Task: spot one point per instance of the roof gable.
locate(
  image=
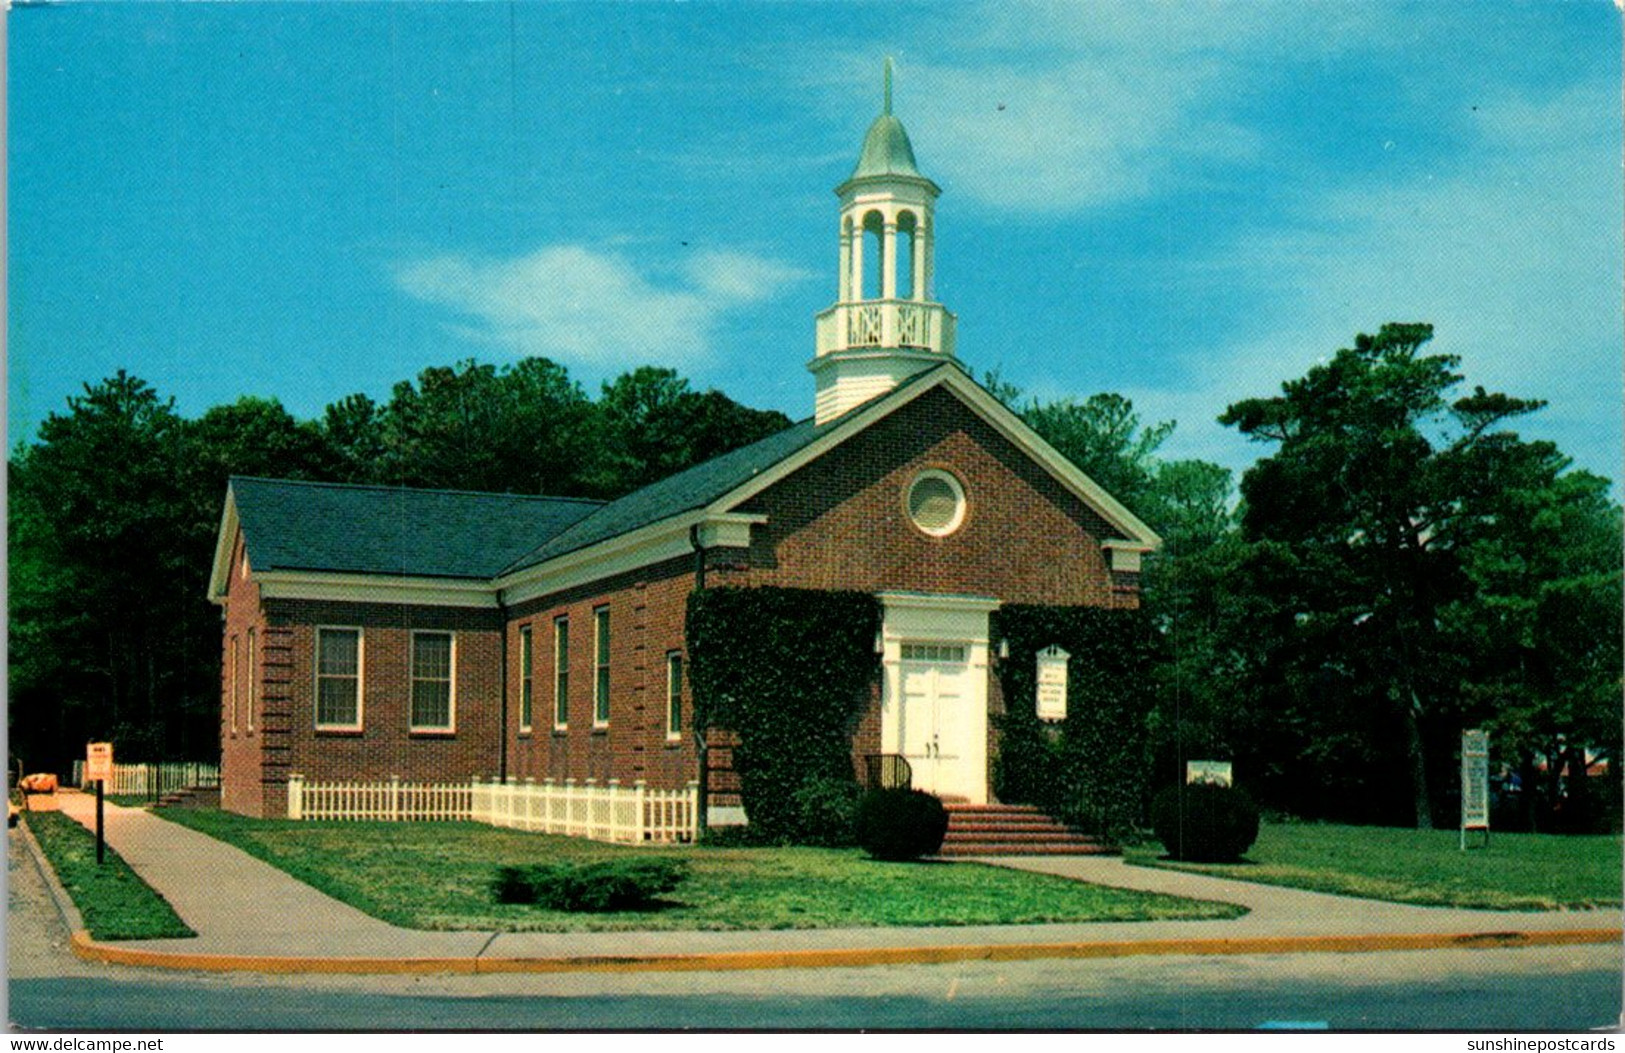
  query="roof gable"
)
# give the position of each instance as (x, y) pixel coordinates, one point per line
(338, 528)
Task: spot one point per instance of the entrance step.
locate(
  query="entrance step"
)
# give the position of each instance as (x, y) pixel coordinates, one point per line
(1013, 829)
(193, 797)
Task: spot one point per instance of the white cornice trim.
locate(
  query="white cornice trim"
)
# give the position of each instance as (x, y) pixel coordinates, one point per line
(927, 601)
(667, 539)
(220, 572)
(374, 588)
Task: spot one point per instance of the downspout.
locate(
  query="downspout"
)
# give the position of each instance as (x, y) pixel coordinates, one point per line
(702, 812)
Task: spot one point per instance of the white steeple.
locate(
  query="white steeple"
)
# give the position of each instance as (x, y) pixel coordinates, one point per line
(883, 327)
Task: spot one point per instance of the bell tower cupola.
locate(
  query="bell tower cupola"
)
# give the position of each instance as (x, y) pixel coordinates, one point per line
(884, 326)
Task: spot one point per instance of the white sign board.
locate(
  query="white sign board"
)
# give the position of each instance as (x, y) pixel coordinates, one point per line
(1213, 771)
(1475, 780)
(1052, 683)
(98, 762)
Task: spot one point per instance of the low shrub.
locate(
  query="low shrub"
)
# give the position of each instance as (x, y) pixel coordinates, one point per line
(900, 824)
(621, 884)
(827, 812)
(1205, 822)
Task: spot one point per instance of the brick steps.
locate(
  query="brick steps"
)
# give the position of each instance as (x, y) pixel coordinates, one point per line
(194, 797)
(1012, 829)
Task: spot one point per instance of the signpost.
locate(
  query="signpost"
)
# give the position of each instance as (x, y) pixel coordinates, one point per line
(99, 769)
(1052, 683)
(1475, 784)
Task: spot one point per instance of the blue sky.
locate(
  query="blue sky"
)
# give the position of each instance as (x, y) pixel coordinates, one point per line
(1186, 203)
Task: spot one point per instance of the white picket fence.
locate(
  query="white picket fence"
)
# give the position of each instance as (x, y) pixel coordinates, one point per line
(145, 778)
(601, 812)
(391, 800)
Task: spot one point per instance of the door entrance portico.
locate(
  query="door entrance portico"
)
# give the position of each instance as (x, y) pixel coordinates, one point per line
(934, 694)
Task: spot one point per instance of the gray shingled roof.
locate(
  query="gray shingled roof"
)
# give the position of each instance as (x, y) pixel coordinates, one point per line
(692, 488)
(340, 528)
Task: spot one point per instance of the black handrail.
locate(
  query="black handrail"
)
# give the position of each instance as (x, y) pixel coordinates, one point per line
(887, 771)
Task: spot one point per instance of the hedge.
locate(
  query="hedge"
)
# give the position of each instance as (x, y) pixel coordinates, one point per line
(789, 671)
(1089, 769)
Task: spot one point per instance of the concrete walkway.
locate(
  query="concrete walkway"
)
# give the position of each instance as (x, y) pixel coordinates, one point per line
(250, 915)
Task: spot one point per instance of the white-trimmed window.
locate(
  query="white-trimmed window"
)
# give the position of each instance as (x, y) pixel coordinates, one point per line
(231, 685)
(600, 656)
(338, 678)
(674, 696)
(434, 695)
(936, 502)
(527, 698)
(561, 672)
(253, 680)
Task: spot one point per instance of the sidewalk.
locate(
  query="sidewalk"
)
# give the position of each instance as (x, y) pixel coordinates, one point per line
(251, 916)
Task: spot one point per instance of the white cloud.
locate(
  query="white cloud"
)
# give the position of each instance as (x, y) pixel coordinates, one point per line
(1052, 108)
(595, 307)
(1517, 263)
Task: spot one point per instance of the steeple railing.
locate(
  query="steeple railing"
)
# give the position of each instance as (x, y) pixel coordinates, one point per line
(875, 324)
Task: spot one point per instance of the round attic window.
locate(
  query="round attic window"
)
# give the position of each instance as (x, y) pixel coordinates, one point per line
(936, 503)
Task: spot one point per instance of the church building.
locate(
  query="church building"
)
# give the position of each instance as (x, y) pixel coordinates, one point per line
(439, 636)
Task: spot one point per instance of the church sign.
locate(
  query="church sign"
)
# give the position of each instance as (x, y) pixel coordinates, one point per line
(1475, 783)
(1052, 683)
(1209, 771)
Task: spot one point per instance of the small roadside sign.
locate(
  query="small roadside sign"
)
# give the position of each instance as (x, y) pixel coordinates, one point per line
(1475, 784)
(1210, 771)
(99, 762)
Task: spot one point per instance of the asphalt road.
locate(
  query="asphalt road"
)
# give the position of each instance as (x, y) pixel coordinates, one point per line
(1533, 989)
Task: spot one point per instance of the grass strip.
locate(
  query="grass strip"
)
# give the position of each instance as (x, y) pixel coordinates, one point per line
(438, 876)
(113, 900)
(1516, 872)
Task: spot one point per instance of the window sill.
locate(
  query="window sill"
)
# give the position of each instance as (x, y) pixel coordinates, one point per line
(431, 733)
(339, 732)
(600, 729)
(673, 742)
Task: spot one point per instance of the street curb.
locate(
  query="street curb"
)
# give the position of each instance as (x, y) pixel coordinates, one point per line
(89, 949)
(65, 908)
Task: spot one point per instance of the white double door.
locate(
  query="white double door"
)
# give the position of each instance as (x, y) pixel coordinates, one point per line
(933, 716)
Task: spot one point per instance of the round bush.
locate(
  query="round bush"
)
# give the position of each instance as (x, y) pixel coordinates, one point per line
(900, 824)
(1205, 822)
(826, 812)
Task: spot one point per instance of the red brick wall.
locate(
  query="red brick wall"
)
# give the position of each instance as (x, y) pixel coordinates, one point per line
(386, 745)
(646, 612)
(841, 522)
(242, 748)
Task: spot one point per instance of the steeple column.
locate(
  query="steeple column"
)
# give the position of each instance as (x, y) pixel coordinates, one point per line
(918, 257)
(888, 261)
(844, 280)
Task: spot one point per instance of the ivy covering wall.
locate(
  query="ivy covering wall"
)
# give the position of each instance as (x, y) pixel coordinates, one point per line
(789, 671)
(1089, 769)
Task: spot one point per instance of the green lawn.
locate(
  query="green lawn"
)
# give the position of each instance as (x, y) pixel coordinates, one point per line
(1516, 871)
(114, 902)
(437, 876)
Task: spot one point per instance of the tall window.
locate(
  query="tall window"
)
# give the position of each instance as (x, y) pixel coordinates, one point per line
(338, 678)
(253, 681)
(674, 696)
(431, 682)
(231, 685)
(600, 687)
(561, 672)
(525, 695)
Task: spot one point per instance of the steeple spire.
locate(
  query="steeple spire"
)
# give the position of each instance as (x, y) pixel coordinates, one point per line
(884, 326)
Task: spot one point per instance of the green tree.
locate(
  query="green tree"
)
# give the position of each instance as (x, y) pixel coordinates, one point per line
(522, 428)
(1366, 525)
(107, 601)
(655, 425)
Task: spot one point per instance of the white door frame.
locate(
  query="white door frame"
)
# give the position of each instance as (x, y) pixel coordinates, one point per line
(917, 617)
